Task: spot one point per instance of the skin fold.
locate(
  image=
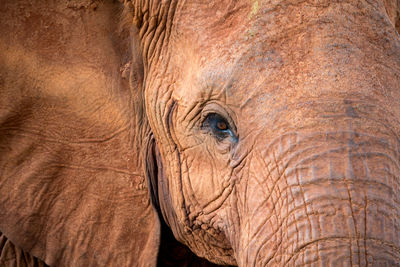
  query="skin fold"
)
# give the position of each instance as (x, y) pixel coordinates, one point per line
(194, 133)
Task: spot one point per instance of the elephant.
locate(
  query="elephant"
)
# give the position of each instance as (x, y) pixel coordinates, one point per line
(200, 133)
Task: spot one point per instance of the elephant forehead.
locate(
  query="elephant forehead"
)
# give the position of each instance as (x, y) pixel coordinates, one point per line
(226, 30)
(278, 47)
(211, 23)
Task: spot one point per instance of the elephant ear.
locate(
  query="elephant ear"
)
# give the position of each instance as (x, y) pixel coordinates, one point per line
(72, 181)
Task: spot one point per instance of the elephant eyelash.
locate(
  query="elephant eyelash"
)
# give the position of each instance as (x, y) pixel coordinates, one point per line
(218, 126)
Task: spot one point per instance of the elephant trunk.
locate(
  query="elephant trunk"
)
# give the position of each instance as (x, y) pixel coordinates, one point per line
(325, 198)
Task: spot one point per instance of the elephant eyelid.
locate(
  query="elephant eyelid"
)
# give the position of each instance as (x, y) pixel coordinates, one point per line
(218, 126)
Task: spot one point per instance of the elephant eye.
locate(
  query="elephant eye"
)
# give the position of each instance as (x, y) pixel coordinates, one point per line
(218, 126)
(222, 125)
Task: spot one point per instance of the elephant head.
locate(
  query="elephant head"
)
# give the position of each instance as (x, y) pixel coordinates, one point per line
(265, 133)
(275, 129)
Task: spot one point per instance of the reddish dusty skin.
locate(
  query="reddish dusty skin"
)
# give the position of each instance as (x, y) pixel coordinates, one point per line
(266, 133)
(312, 89)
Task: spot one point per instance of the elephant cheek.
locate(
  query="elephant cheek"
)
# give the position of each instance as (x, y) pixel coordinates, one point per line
(325, 199)
(204, 177)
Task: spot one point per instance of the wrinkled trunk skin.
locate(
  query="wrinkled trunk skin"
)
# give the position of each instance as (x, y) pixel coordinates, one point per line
(320, 186)
(329, 198)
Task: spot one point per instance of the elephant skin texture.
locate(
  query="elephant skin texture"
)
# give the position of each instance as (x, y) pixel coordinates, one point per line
(200, 133)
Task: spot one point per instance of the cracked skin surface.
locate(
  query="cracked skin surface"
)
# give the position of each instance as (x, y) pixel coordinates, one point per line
(254, 133)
